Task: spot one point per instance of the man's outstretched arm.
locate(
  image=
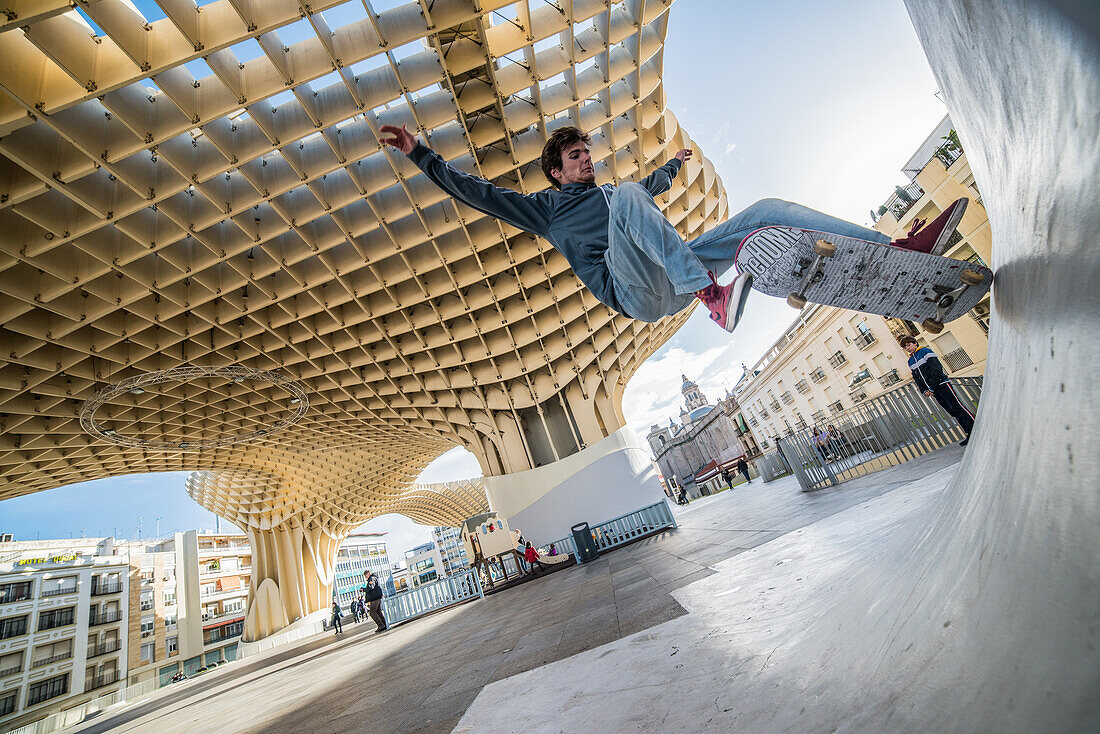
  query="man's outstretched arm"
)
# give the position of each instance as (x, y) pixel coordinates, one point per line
(519, 210)
(660, 180)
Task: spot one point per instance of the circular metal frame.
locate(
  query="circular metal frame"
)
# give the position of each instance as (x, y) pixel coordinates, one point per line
(236, 373)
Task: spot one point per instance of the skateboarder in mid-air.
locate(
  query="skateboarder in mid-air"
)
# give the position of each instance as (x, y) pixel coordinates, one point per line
(622, 247)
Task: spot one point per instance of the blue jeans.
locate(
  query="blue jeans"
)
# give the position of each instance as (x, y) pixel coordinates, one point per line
(656, 273)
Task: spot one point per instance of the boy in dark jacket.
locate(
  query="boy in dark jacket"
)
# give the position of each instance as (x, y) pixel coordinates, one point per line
(336, 611)
(929, 375)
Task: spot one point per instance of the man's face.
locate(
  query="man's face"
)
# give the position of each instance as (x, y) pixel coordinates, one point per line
(910, 347)
(576, 165)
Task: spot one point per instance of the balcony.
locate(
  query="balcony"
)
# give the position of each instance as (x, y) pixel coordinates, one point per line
(817, 375)
(957, 359)
(802, 387)
(836, 408)
(104, 589)
(55, 621)
(8, 596)
(753, 422)
(11, 671)
(786, 397)
(818, 416)
(800, 425)
(104, 618)
(52, 659)
(858, 395)
(105, 648)
(775, 406)
(902, 200)
(838, 359)
(864, 340)
(764, 413)
(228, 615)
(98, 682)
(890, 378)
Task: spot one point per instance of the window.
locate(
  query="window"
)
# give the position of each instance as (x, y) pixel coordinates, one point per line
(18, 591)
(172, 645)
(58, 586)
(48, 620)
(207, 590)
(47, 689)
(148, 626)
(51, 653)
(11, 663)
(147, 652)
(7, 702)
(146, 600)
(13, 627)
(169, 598)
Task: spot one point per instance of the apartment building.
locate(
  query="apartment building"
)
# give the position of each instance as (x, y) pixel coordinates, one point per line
(63, 622)
(451, 550)
(424, 564)
(827, 361)
(939, 174)
(357, 553)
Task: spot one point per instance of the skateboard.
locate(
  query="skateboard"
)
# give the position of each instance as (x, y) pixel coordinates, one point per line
(806, 266)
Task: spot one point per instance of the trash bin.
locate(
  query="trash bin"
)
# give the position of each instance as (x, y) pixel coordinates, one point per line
(586, 546)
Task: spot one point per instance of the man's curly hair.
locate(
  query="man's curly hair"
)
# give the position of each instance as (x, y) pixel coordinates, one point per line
(558, 141)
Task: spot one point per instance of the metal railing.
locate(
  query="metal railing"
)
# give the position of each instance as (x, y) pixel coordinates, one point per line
(903, 199)
(52, 659)
(764, 413)
(864, 340)
(106, 617)
(772, 465)
(11, 670)
(99, 681)
(102, 589)
(884, 431)
(625, 528)
(817, 375)
(786, 397)
(837, 359)
(890, 378)
(59, 592)
(802, 387)
(818, 415)
(957, 359)
(73, 716)
(775, 406)
(836, 408)
(439, 594)
(753, 422)
(104, 648)
(858, 396)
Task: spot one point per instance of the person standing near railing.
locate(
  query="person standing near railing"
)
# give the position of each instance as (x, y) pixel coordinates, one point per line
(336, 612)
(929, 375)
(373, 595)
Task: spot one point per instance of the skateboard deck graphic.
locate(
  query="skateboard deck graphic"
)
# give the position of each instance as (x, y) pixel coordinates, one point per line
(805, 266)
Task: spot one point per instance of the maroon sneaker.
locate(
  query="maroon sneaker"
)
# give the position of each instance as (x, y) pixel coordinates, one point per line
(726, 302)
(933, 238)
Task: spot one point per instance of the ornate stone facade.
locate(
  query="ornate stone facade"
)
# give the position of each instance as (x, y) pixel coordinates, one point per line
(708, 437)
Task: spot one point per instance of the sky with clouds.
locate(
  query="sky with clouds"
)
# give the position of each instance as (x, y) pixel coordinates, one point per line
(819, 103)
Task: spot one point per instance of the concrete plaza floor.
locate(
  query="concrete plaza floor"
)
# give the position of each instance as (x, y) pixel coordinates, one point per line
(424, 676)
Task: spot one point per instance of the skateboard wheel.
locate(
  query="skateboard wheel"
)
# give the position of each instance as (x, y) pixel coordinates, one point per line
(796, 301)
(932, 326)
(971, 277)
(825, 249)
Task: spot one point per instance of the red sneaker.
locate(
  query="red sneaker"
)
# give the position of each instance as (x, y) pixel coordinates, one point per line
(726, 302)
(933, 238)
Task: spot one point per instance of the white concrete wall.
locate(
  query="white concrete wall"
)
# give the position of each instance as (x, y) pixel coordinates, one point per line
(610, 478)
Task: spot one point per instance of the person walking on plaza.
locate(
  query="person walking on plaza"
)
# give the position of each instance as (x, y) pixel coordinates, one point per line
(618, 242)
(373, 595)
(336, 612)
(929, 375)
(743, 467)
(727, 478)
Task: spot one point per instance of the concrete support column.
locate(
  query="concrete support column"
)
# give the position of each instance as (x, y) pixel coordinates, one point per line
(292, 574)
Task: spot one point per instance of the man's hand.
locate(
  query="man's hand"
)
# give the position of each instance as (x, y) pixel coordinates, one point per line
(682, 156)
(402, 139)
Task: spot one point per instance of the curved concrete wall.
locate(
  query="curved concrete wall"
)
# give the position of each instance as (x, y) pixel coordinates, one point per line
(599, 483)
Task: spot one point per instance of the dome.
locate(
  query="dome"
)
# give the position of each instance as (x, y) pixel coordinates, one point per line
(699, 412)
(688, 384)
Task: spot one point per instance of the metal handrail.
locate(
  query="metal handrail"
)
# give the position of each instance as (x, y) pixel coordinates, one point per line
(104, 680)
(101, 590)
(417, 602)
(104, 648)
(817, 375)
(52, 659)
(625, 528)
(837, 359)
(802, 386)
(58, 592)
(865, 340)
(104, 618)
